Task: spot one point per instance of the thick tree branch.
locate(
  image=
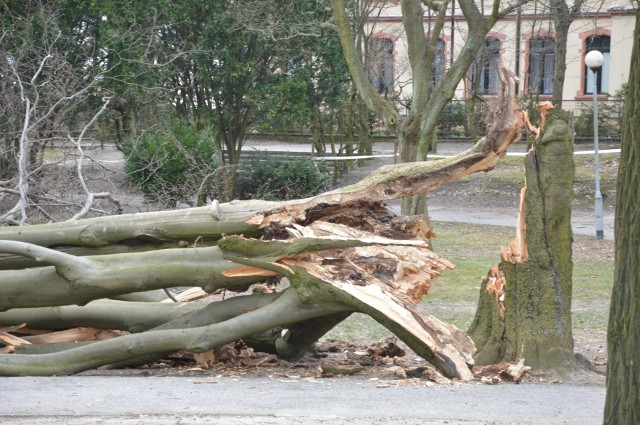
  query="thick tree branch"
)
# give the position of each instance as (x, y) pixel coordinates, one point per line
(195, 339)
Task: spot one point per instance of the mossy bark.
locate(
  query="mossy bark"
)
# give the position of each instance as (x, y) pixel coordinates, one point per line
(623, 368)
(537, 299)
(487, 330)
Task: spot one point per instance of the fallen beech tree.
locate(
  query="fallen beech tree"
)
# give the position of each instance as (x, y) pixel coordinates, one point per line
(341, 252)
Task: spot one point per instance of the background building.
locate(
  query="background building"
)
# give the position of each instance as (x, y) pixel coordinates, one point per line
(523, 42)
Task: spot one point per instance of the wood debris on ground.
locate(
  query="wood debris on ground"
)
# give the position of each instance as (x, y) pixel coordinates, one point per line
(503, 372)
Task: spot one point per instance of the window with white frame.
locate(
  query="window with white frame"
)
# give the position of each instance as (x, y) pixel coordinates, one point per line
(381, 60)
(603, 44)
(484, 73)
(541, 64)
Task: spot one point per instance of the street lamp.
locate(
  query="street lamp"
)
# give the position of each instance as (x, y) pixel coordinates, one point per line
(594, 60)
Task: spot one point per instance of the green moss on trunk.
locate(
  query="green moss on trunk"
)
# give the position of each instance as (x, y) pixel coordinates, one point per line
(537, 321)
(488, 328)
(623, 370)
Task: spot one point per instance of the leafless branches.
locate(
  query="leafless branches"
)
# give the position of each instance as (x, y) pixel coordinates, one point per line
(50, 83)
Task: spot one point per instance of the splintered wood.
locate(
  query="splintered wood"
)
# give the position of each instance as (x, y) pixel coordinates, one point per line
(385, 279)
(503, 372)
(496, 283)
(406, 267)
(537, 131)
(517, 252)
(40, 337)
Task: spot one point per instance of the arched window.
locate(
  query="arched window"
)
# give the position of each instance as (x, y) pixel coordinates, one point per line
(381, 71)
(484, 73)
(603, 44)
(541, 63)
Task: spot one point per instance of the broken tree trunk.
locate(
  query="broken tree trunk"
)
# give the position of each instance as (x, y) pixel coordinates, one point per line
(341, 252)
(524, 310)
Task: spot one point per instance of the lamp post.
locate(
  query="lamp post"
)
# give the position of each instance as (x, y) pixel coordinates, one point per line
(594, 60)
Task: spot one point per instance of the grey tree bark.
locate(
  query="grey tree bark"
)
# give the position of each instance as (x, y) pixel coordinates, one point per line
(623, 336)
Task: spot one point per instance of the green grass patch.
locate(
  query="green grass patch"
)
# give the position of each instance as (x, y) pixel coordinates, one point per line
(360, 329)
(473, 249)
(591, 319)
(592, 280)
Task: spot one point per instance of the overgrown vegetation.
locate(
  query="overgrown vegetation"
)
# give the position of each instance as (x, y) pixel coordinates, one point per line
(610, 115)
(269, 178)
(182, 164)
(173, 165)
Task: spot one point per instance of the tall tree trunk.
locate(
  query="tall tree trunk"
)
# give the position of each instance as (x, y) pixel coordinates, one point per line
(409, 141)
(560, 65)
(524, 309)
(317, 134)
(623, 370)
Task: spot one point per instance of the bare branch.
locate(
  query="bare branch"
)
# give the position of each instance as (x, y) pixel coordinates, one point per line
(382, 107)
(91, 196)
(45, 255)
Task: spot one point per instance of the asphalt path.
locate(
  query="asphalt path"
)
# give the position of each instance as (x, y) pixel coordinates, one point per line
(268, 400)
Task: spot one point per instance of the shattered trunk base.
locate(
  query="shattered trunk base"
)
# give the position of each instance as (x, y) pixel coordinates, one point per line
(524, 309)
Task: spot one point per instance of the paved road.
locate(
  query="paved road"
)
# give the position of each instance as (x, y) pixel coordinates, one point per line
(352, 401)
(582, 223)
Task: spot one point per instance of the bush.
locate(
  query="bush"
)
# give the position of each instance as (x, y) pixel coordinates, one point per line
(453, 122)
(610, 116)
(264, 177)
(169, 167)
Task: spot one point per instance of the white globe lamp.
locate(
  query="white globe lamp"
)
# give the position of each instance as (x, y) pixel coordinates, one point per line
(594, 59)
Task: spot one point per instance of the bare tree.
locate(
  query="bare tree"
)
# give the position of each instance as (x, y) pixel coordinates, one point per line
(415, 130)
(56, 84)
(43, 90)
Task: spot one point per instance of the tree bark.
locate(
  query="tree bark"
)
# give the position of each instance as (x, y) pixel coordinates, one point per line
(524, 310)
(623, 337)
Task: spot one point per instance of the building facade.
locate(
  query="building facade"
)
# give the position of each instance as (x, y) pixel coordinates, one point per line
(523, 42)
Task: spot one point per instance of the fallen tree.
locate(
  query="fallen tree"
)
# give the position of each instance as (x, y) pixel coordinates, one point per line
(341, 252)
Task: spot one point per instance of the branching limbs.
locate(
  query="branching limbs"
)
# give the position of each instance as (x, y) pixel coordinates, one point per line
(91, 196)
(359, 75)
(44, 255)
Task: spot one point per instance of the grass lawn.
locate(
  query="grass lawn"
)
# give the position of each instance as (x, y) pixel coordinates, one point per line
(473, 249)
